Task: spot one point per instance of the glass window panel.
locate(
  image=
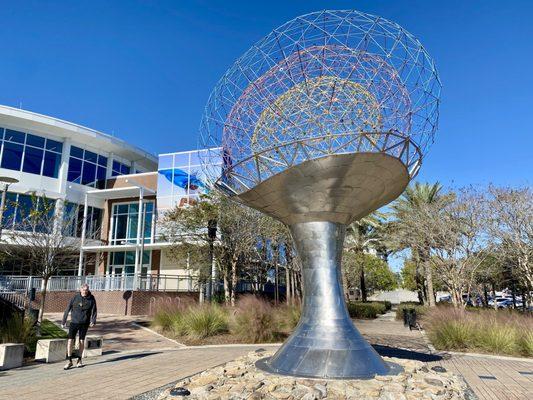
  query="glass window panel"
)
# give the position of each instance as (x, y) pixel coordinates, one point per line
(14, 136)
(89, 173)
(52, 161)
(74, 170)
(36, 141)
(146, 257)
(76, 152)
(165, 162)
(54, 145)
(90, 156)
(181, 160)
(9, 211)
(195, 159)
(132, 229)
(12, 157)
(148, 207)
(118, 258)
(116, 168)
(134, 207)
(24, 207)
(79, 226)
(100, 177)
(148, 228)
(129, 269)
(33, 158)
(124, 169)
(121, 223)
(2, 133)
(122, 209)
(130, 257)
(69, 218)
(102, 160)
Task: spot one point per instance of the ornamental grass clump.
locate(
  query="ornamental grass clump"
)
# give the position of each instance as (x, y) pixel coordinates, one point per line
(289, 316)
(448, 329)
(202, 321)
(18, 329)
(254, 321)
(166, 315)
(489, 331)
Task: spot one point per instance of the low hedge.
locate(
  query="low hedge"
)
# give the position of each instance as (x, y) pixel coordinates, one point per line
(388, 304)
(368, 310)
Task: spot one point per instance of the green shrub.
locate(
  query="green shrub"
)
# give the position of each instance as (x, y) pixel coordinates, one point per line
(255, 320)
(202, 321)
(387, 304)
(380, 306)
(18, 329)
(362, 310)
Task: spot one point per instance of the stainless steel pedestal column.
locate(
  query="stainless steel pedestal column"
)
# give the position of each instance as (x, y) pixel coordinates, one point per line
(325, 342)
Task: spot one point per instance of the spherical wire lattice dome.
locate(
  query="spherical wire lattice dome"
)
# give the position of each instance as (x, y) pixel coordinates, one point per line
(329, 82)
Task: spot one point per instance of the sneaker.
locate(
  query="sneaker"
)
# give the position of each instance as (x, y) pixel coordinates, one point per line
(68, 365)
(79, 364)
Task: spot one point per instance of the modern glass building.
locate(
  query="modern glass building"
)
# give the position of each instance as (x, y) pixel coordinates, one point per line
(113, 198)
(60, 162)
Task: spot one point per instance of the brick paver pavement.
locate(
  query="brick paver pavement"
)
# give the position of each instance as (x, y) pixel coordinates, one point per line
(116, 376)
(120, 334)
(492, 378)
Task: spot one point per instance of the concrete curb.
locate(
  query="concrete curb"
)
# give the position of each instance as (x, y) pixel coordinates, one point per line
(157, 334)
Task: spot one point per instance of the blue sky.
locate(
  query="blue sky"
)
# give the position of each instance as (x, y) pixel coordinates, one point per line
(143, 70)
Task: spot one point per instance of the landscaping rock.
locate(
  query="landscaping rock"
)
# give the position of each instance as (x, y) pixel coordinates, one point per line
(240, 379)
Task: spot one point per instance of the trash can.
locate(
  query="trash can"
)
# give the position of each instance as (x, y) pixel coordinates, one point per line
(409, 317)
(32, 313)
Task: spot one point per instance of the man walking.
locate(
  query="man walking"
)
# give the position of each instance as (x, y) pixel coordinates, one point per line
(83, 315)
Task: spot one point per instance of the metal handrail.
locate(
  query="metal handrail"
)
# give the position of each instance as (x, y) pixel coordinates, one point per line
(109, 282)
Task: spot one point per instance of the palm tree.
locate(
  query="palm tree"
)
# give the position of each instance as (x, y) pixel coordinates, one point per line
(362, 236)
(412, 201)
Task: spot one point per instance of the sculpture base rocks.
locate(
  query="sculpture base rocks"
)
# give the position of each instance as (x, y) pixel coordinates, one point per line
(240, 379)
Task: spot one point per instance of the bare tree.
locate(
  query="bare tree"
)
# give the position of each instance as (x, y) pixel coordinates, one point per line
(238, 235)
(187, 229)
(511, 226)
(40, 237)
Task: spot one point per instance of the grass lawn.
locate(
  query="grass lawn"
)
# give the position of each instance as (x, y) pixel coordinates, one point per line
(49, 330)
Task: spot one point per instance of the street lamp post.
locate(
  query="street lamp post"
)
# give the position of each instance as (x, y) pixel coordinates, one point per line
(6, 180)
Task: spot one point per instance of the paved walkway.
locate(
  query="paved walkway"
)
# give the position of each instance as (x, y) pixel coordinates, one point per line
(117, 376)
(121, 335)
(125, 371)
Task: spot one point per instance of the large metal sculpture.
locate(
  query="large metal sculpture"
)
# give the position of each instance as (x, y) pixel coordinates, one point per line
(321, 122)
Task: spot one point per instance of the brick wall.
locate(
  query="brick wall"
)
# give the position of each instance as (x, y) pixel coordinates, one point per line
(118, 302)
